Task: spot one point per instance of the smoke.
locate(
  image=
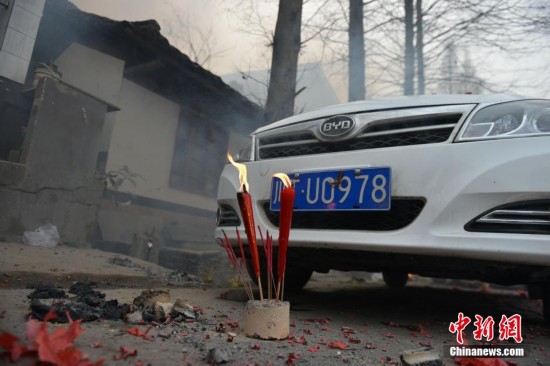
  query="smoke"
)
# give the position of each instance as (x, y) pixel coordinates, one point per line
(240, 43)
(189, 20)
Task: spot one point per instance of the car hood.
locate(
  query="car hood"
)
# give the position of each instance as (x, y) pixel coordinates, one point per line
(389, 104)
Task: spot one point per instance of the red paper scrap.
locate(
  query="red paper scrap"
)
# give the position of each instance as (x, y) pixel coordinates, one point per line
(338, 345)
(12, 345)
(348, 330)
(421, 330)
(318, 321)
(292, 357)
(55, 348)
(138, 333)
(473, 361)
(124, 353)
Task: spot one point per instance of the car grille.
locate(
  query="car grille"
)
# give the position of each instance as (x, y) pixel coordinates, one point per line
(401, 139)
(403, 212)
(415, 131)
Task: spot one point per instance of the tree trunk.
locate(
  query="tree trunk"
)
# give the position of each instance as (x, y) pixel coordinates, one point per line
(356, 67)
(421, 88)
(408, 85)
(450, 68)
(284, 62)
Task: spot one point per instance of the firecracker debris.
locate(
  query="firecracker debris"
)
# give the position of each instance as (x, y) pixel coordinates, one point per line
(158, 319)
(352, 323)
(88, 304)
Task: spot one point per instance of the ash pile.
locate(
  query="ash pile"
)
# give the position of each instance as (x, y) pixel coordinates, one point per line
(84, 302)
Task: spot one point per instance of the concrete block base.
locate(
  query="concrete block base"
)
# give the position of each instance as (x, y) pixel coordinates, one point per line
(268, 319)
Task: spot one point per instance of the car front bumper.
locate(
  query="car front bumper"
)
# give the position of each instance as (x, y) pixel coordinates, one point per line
(459, 182)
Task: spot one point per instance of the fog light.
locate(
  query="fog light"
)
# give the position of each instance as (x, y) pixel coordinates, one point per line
(529, 217)
(227, 216)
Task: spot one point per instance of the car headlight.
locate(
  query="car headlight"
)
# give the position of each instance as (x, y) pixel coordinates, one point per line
(506, 120)
(243, 150)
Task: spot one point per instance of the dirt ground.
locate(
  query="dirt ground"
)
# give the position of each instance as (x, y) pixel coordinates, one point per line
(376, 324)
(22, 264)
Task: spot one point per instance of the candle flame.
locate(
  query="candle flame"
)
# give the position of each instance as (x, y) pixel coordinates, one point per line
(285, 178)
(243, 182)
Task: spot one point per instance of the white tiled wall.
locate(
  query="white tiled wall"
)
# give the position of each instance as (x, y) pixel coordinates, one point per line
(33, 6)
(13, 67)
(18, 44)
(24, 21)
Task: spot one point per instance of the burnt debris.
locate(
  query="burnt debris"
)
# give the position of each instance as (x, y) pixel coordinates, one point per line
(88, 304)
(42, 291)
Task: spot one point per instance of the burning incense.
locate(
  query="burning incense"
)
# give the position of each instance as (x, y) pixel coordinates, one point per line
(245, 204)
(285, 219)
(240, 269)
(267, 244)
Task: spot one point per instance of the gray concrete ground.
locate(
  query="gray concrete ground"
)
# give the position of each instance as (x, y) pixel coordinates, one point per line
(376, 324)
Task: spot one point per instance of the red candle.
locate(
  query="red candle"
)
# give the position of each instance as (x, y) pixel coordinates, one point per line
(245, 204)
(285, 220)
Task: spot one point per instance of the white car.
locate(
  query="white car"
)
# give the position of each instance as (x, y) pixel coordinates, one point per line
(454, 186)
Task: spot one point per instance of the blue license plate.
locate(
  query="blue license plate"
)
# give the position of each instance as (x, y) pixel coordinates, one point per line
(353, 189)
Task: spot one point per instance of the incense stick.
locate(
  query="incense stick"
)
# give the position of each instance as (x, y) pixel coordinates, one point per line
(238, 267)
(267, 244)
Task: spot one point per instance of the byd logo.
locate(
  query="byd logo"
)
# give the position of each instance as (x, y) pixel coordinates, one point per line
(337, 126)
